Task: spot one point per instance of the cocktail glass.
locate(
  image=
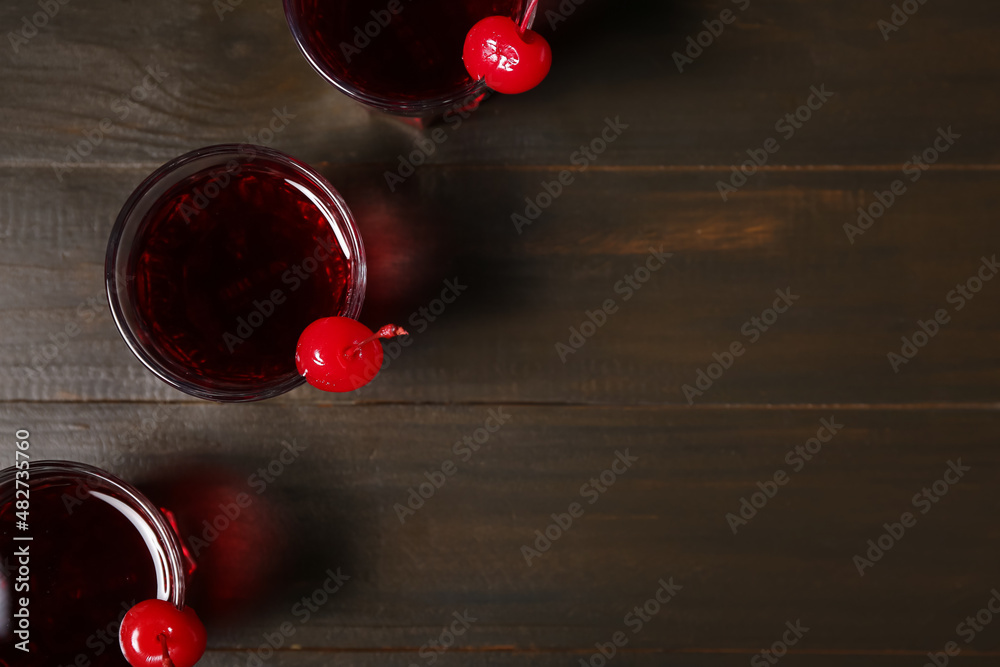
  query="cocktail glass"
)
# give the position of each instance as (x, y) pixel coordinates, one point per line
(403, 57)
(218, 262)
(95, 547)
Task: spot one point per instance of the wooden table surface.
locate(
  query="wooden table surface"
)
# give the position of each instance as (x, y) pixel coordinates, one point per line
(895, 426)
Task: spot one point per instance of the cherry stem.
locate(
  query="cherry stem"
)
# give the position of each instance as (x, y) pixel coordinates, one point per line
(528, 14)
(388, 331)
(167, 662)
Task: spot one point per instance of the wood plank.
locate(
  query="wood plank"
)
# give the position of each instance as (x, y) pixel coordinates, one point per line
(467, 659)
(498, 341)
(333, 506)
(222, 79)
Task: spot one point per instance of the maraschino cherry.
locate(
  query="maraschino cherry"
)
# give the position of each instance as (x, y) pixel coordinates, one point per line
(508, 57)
(155, 633)
(340, 354)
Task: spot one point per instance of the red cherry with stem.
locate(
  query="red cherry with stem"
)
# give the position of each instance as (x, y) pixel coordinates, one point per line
(155, 633)
(340, 354)
(510, 58)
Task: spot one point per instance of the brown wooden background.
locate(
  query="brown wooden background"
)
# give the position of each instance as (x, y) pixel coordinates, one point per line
(494, 347)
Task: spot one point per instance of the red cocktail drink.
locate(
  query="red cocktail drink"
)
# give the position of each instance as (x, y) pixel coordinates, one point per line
(221, 259)
(97, 547)
(401, 56)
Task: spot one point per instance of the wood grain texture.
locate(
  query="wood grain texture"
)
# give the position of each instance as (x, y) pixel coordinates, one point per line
(665, 517)
(525, 291)
(66, 375)
(224, 78)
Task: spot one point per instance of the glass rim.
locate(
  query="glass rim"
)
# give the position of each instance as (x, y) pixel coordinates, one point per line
(126, 218)
(54, 469)
(456, 98)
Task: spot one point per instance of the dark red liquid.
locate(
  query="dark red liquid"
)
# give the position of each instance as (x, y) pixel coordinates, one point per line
(230, 267)
(88, 565)
(417, 56)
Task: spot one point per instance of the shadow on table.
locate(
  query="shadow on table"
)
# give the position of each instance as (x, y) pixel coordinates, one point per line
(252, 552)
